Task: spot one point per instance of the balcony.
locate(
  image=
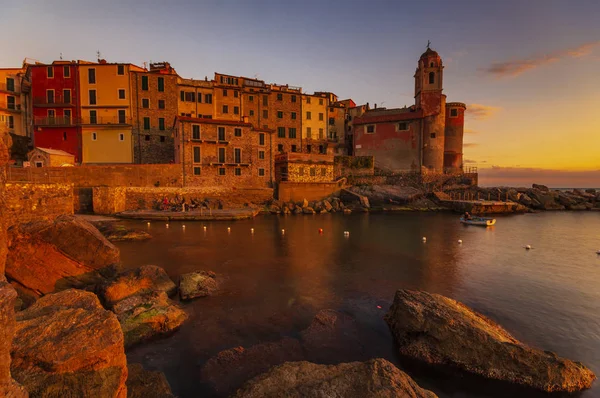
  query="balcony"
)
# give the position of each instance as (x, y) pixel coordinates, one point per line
(106, 120)
(10, 106)
(12, 89)
(56, 101)
(62, 121)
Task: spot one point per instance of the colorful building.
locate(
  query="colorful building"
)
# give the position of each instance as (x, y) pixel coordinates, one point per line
(195, 98)
(302, 167)
(45, 157)
(285, 117)
(314, 122)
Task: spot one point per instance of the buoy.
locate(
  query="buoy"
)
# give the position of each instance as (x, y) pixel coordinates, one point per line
(283, 231)
(424, 239)
(167, 225)
(228, 229)
(528, 247)
(183, 226)
(346, 233)
(379, 306)
(205, 227)
(148, 222)
(320, 230)
(251, 230)
(460, 241)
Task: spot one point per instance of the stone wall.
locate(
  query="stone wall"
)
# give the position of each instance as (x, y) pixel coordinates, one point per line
(298, 191)
(345, 166)
(144, 175)
(108, 200)
(33, 202)
(82, 200)
(147, 198)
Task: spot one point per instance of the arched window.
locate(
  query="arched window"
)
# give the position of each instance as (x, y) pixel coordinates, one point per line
(431, 77)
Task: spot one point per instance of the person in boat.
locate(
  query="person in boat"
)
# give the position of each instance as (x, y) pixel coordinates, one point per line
(467, 216)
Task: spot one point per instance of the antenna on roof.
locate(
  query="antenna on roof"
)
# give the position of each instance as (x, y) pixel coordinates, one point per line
(60, 56)
(98, 55)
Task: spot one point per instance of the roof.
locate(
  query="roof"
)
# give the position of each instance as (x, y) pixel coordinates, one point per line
(54, 151)
(212, 121)
(429, 53)
(391, 115)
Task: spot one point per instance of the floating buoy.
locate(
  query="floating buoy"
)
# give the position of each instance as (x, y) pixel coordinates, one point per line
(346, 233)
(283, 231)
(528, 247)
(379, 306)
(167, 225)
(320, 230)
(205, 227)
(424, 239)
(251, 230)
(460, 241)
(148, 222)
(228, 229)
(183, 226)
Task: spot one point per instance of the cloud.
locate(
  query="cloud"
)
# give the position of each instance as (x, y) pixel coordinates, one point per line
(470, 144)
(471, 161)
(525, 176)
(519, 66)
(480, 112)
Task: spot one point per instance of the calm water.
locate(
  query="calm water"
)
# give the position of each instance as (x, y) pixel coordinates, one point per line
(548, 297)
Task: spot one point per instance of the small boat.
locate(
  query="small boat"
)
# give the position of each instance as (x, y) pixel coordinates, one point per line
(481, 221)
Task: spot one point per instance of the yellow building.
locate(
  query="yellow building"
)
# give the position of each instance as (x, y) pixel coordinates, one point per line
(195, 98)
(314, 121)
(46, 157)
(13, 109)
(106, 125)
(228, 97)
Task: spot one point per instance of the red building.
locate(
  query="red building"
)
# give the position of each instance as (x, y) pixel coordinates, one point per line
(55, 99)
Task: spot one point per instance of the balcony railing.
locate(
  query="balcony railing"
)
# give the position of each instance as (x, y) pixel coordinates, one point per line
(57, 100)
(71, 121)
(104, 120)
(55, 121)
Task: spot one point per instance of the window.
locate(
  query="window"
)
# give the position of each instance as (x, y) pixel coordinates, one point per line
(51, 113)
(308, 100)
(431, 65)
(322, 150)
(208, 98)
(162, 138)
(265, 100)
(182, 95)
(146, 123)
(199, 97)
(237, 155)
(251, 112)
(50, 72)
(144, 83)
(313, 172)
(10, 84)
(121, 137)
(280, 147)
(331, 121)
(190, 97)
(221, 133)
(251, 98)
(94, 136)
(221, 155)
(64, 135)
(120, 70)
(224, 93)
(293, 115)
(370, 129)
(237, 132)
(121, 93)
(92, 76)
(265, 114)
(11, 102)
(261, 172)
(279, 97)
(66, 96)
(320, 101)
(225, 109)
(323, 171)
(292, 132)
(145, 103)
(279, 114)
(238, 171)
(321, 134)
(403, 126)
(281, 132)
(320, 117)
(147, 137)
(67, 116)
(236, 110)
(11, 122)
(49, 96)
(293, 148)
(301, 171)
(235, 94)
(195, 131)
(196, 171)
(432, 135)
(93, 117)
(308, 115)
(196, 154)
(293, 98)
(161, 123)
(309, 148)
(431, 77)
(453, 112)
(308, 132)
(92, 95)
(261, 155)
(261, 139)
(122, 116)
(161, 104)
(161, 84)
(221, 171)
(66, 71)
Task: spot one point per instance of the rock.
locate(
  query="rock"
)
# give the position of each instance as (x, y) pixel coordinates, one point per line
(438, 330)
(336, 204)
(304, 203)
(327, 206)
(347, 211)
(274, 209)
(323, 211)
(49, 256)
(117, 233)
(146, 316)
(591, 191)
(375, 378)
(143, 383)
(8, 387)
(352, 197)
(513, 195)
(525, 200)
(229, 369)
(332, 336)
(68, 342)
(197, 284)
(308, 210)
(540, 187)
(144, 279)
(298, 210)
(286, 210)
(546, 200)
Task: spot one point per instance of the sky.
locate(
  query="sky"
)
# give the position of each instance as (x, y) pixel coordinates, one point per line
(529, 71)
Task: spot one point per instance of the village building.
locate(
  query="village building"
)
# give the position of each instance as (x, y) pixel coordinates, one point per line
(301, 167)
(195, 98)
(46, 157)
(15, 115)
(285, 117)
(314, 122)
(426, 137)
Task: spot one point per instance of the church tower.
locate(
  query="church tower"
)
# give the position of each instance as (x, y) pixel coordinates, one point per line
(432, 103)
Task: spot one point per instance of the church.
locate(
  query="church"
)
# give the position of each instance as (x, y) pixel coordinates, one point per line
(425, 137)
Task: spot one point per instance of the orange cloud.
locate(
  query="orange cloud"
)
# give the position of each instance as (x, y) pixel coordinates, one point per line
(519, 66)
(480, 112)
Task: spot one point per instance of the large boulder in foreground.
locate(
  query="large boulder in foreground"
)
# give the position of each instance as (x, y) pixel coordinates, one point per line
(229, 369)
(48, 256)
(375, 378)
(66, 344)
(8, 387)
(146, 316)
(197, 284)
(142, 383)
(142, 280)
(439, 330)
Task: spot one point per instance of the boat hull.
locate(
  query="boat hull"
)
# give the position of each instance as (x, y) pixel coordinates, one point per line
(480, 222)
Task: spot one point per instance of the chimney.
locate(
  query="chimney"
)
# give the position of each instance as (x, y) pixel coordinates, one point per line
(375, 106)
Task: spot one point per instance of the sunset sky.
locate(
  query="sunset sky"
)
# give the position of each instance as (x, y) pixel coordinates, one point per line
(529, 71)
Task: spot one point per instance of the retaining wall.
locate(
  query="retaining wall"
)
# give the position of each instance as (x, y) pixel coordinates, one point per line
(298, 191)
(34, 202)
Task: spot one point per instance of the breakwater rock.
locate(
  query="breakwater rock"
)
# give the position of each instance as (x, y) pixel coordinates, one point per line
(441, 331)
